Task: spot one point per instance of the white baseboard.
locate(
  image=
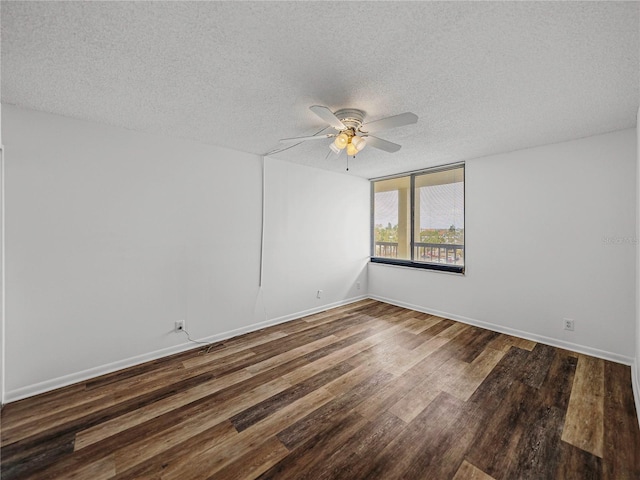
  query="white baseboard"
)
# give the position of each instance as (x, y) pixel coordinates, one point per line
(59, 382)
(594, 352)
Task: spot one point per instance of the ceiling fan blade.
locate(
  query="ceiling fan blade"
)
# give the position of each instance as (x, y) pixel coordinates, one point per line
(327, 115)
(390, 122)
(381, 144)
(311, 137)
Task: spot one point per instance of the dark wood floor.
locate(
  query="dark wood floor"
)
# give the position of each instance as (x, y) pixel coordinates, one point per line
(368, 390)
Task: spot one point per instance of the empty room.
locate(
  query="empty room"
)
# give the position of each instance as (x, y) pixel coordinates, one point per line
(320, 240)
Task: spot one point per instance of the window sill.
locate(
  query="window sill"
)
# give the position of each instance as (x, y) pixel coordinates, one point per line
(435, 267)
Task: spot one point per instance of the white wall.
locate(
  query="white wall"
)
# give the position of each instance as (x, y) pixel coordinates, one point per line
(316, 238)
(549, 235)
(112, 235)
(635, 371)
(2, 348)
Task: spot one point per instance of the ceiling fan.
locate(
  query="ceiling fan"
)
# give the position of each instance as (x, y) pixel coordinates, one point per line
(352, 134)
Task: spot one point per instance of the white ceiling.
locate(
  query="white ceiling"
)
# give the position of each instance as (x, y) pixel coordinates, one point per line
(484, 77)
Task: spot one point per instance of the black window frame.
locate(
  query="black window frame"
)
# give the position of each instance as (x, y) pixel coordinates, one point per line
(460, 269)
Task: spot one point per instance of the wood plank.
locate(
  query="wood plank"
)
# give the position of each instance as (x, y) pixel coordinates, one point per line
(309, 456)
(340, 344)
(22, 462)
(332, 412)
(404, 361)
(419, 323)
(454, 330)
(346, 353)
(620, 450)
(352, 458)
(151, 445)
(13, 418)
(210, 453)
(385, 398)
(136, 452)
(24, 439)
(470, 472)
(538, 454)
(406, 455)
(255, 462)
(504, 342)
(214, 400)
(103, 469)
(471, 343)
(472, 375)
(503, 378)
(416, 400)
(56, 419)
(573, 462)
(448, 452)
(257, 411)
(138, 416)
(583, 425)
(556, 389)
(437, 325)
(213, 460)
(183, 453)
(150, 438)
(536, 369)
(504, 401)
(435, 371)
(495, 448)
(290, 354)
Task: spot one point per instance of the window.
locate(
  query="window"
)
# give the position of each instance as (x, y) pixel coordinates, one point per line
(418, 219)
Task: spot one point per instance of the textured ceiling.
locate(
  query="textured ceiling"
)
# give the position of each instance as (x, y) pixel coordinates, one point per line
(483, 77)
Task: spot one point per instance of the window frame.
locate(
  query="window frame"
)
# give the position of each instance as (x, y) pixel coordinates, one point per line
(439, 267)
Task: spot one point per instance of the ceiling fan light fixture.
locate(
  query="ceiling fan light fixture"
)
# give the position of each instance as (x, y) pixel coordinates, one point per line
(352, 133)
(359, 143)
(341, 141)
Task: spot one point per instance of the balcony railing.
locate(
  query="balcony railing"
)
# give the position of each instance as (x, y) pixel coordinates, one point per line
(451, 254)
(386, 249)
(439, 253)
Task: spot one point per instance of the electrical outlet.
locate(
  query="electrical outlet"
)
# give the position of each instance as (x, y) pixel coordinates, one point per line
(568, 324)
(180, 326)
(358, 285)
(319, 294)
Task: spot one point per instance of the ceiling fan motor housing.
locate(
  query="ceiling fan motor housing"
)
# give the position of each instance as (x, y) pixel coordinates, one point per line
(352, 118)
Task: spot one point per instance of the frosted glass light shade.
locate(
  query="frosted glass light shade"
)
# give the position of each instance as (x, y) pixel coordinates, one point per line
(351, 149)
(341, 141)
(359, 143)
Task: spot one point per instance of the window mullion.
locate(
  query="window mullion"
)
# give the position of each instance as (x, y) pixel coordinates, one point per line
(412, 219)
(372, 244)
